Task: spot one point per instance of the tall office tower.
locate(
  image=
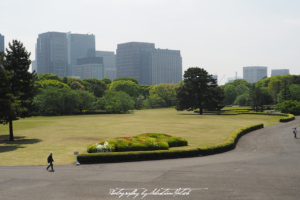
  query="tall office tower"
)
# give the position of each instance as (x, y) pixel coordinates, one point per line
(52, 53)
(2, 47)
(254, 73)
(275, 72)
(89, 67)
(160, 66)
(129, 59)
(109, 63)
(78, 46)
(33, 66)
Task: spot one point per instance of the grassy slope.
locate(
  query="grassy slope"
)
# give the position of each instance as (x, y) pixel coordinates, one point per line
(37, 136)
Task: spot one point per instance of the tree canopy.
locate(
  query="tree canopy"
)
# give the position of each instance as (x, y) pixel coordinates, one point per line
(198, 91)
(126, 79)
(129, 87)
(19, 82)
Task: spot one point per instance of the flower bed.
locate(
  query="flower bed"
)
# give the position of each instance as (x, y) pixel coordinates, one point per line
(142, 142)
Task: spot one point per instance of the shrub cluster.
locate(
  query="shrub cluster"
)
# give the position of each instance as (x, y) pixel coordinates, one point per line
(142, 142)
(87, 158)
(230, 143)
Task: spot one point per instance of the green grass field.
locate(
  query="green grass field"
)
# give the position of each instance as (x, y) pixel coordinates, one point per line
(35, 137)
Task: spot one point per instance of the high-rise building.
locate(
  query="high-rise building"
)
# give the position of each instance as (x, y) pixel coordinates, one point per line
(129, 59)
(148, 65)
(2, 47)
(109, 63)
(254, 73)
(275, 72)
(160, 66)
(52, 53)
(89, 67)
(78, 46)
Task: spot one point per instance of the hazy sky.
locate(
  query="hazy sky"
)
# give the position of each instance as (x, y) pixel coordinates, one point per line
(221, 36)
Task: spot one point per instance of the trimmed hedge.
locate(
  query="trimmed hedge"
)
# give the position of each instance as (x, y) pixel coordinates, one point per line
(230, 143)
(88, 158)
(287, 117)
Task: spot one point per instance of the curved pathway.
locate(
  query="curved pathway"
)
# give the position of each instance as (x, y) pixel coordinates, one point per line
(265, 165)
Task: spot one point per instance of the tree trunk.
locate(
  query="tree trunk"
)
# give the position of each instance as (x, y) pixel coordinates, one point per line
(11, 134)
(201, 111)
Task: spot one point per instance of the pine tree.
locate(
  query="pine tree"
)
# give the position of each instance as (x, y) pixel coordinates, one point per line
(19, 83)
(286, 94)
(256, 98)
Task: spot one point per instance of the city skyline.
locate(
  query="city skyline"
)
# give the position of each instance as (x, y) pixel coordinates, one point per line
(220, 36)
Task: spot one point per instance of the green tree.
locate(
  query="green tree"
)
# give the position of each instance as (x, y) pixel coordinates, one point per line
(129, 87)
(107, 81)
(97, 86)
(230, 94)
(275, 86)
(57, 101)
(85, 84)
(242, 99)
(86, 100)
(21, 82)
(266, 96)
(145, 90)
(76, 86)
(154, 102)
(256, 98)
(139, 102)
(285, 90)
(65, 80)
(118, 102)
(126, 79)
(49, 76)
(295, 92)
(196, 91)
(289, 106)
(42, 84)
(165, 91)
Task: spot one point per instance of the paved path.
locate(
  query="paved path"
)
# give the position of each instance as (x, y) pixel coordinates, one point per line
(265, 165)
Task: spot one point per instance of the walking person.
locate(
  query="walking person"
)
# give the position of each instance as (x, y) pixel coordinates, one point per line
(50, 160)
(295, 132)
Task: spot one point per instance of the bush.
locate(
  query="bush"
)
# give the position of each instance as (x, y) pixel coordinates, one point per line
(230, 143)
(142, 142)
(290, 106)
(287, 117)
(87, 158)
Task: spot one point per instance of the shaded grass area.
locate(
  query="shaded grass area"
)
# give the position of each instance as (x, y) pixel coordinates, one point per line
(37, 136)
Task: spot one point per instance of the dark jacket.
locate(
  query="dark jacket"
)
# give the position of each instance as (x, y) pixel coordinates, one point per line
(50, 159)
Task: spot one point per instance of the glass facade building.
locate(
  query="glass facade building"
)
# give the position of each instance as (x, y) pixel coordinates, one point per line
(129, 59)
(148, 65)
(109, 63)
(78, 47)
(160, 66)
(89, 67)
(52, 53)
(275, 72)
(254, 73)
(2, 46)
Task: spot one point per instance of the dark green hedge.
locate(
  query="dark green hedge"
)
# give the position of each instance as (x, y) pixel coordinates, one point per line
(87, 158)
(287, 117)
(230, 143)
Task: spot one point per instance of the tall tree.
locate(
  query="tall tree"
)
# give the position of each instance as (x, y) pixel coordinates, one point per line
(197, 90)
(275, 86)
(129, 87)
(285, 91)
(21, 84)
(165, 91)
(256, 98)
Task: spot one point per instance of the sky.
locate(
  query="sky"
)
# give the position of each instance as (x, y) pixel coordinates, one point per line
(221, 36)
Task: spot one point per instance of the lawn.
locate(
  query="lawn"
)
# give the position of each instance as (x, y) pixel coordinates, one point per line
(35, 137)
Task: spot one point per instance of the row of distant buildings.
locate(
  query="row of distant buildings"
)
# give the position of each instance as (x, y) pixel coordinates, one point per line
(253, 74)
(75, 55)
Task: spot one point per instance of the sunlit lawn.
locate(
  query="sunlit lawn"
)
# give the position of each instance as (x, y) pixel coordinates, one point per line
(37, 136)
